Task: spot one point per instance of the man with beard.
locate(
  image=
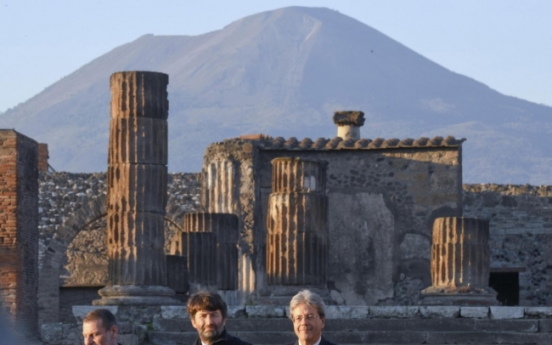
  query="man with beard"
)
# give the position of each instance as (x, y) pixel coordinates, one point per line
(208, 312)
(308, 314)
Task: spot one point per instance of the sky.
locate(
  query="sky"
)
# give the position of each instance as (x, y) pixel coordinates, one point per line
(504, 44)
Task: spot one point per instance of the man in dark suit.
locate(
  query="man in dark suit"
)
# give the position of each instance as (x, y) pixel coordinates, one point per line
(208, 313)
(308, 314)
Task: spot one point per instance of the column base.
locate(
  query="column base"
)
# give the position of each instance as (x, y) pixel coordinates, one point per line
(136, 295)
(462, 296)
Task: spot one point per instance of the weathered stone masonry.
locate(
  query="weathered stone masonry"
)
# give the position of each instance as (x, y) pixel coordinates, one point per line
(405, 185)
(137, 190)
(297, 223)
(520, 232)
(19, 228)
(73, 225)
(520, 221)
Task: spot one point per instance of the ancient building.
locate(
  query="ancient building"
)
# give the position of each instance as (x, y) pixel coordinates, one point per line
(19, 228)
(383, 196)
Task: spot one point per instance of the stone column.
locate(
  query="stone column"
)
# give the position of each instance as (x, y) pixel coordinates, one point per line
(297, 223)
(210, 244)
(137, 191)
(460, 263)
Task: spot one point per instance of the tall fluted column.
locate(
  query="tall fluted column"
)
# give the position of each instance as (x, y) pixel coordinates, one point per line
(297, 239)
(460, 263)
(210, 244)
(137, 190)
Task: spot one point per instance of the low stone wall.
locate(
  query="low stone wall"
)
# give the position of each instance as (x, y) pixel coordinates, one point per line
(344, 324)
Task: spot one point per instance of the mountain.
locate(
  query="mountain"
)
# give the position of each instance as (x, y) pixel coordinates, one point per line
(283, 73)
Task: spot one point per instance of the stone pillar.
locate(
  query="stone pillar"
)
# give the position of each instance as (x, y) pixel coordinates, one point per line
(137, 191)
(19, 230)
(348, 124)
(460, 263)
(210, 244)
(221, 190)
(297, 223)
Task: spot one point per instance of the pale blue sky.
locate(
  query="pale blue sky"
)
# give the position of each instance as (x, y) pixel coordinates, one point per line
(505, 44)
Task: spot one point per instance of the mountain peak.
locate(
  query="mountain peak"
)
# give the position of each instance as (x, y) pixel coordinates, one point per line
(284, 72)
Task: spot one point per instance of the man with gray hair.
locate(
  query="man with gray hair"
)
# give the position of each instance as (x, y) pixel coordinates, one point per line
(308, 314)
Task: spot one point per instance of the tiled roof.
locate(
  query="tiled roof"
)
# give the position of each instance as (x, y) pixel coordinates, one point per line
(338, 143)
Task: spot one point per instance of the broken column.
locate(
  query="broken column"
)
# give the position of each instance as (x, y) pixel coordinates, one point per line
(297, 239)
(348, 124)
(460, 263)
(210, 244)
(137, 191)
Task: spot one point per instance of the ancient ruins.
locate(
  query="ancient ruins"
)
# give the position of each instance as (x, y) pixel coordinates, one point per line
(137, 191)
(381, 229)
(460, 263)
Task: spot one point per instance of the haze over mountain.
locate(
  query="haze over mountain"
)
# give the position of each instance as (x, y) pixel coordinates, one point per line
(283, 73)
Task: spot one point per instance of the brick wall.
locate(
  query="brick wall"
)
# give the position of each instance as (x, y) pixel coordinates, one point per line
(43, 157)
(19, 228)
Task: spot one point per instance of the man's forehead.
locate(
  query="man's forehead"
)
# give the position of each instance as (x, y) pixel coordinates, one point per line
(93, 324)
(304, 308)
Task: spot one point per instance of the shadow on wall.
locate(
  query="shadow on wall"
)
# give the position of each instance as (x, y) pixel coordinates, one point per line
(6, 331)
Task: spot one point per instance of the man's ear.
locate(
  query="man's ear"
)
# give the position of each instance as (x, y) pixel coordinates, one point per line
(114, 331)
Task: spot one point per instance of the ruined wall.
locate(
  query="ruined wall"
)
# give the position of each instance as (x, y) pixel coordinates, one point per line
(229, 186)
(520, 219)
(381, 208)
(72, 235)
(376, 257)
(19, 228)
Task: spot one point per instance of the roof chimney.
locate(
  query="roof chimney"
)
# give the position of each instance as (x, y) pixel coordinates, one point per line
(348, 124)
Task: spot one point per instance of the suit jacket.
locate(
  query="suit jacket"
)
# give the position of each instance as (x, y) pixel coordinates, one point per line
(322, 342)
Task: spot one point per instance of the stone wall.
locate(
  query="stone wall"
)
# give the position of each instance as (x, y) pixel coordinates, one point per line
(379, 256)
(520, 219)
(18, 228)
(381, 210)
(520, 224)
(344, 325)
(72, 235)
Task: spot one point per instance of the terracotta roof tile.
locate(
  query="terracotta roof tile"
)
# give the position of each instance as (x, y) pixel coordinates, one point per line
(337, 143)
